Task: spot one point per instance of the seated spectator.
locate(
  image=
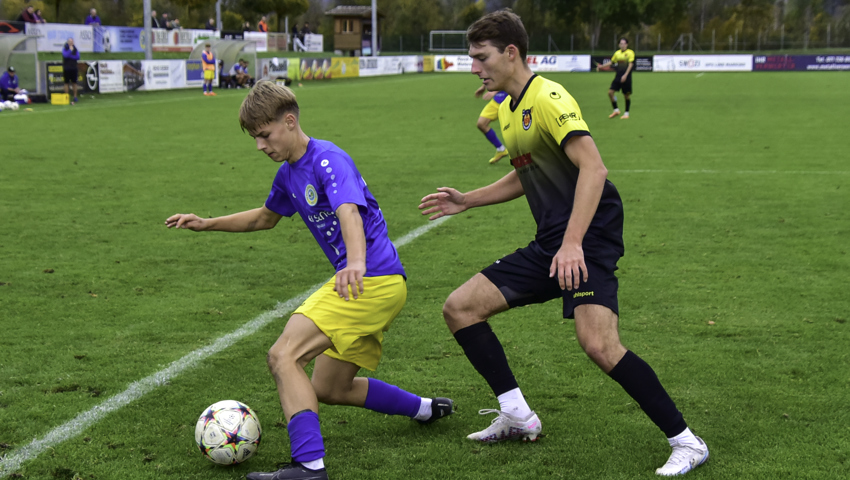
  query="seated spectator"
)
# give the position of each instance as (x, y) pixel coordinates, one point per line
(9, 85)
(239, 76)
(262, 26)
(27, 15)
(210, 24)
(93, 19)
(38, 17)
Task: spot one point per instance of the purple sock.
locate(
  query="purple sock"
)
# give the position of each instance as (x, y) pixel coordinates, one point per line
(305, 439)
(494, 139)
(385, 398)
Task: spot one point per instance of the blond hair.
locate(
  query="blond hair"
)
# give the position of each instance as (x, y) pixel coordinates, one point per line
(267, 102)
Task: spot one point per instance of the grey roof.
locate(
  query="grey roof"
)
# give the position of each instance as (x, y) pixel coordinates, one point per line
(352, 11)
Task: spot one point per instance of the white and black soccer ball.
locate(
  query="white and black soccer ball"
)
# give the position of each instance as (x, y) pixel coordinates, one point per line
(107, 41)
(2, 106)
(228, 432)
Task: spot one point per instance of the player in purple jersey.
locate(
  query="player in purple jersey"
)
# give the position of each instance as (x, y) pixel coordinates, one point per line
(341, 325)
(489, 114)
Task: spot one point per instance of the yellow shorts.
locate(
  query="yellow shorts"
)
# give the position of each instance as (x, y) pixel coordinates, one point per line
(491, 110)
(209, 74)
(356, 327)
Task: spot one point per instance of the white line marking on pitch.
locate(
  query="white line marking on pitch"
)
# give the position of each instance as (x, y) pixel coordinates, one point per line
(741, 172)
(13, 461)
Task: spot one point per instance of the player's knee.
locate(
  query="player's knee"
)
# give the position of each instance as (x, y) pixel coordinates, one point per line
(483, 124)
(279, 358)
(326, 394)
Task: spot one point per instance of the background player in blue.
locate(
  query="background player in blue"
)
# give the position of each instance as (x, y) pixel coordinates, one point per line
(342, 324)
(574, 255)
(489, 114)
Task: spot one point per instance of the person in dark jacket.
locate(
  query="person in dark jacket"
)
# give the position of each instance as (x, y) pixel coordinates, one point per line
(70, 56)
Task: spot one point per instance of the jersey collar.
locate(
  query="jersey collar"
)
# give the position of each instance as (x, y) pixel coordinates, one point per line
(515, 102)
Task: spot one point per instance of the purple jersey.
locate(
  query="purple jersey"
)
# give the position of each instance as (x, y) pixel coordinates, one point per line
(315, 186)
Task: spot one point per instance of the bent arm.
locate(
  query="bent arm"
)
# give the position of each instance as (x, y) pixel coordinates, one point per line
(503, 190)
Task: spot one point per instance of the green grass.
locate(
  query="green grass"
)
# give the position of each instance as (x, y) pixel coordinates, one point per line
(736, 190)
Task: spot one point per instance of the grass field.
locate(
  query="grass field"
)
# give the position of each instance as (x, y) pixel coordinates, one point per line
(734, 285)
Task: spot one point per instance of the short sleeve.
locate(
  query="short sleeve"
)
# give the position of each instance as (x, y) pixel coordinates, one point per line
(560, 114)
(630, 54)
(279, 201)
(340, 180)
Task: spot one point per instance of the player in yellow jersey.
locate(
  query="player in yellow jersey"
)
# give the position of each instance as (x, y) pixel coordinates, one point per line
(574, 255)
(489, 114)
(624, 63)
(208, 63)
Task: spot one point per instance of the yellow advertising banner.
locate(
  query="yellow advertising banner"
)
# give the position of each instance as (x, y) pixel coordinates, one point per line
(345, 67)
(428, 63)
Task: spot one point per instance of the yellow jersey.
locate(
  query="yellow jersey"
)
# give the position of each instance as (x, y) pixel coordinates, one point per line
(621, 60)
(536, 127)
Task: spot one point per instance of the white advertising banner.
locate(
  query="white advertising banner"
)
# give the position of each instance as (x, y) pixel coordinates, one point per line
(52, 36)
(183, 40)
(559, 63)
(163, 74)
(452, 63)
(260, 38)
(314, 42)
(111, 76)
(702, 63)
(272, 68)
(372, 66)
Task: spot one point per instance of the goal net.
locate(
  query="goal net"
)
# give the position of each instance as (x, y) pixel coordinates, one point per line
(447, 41)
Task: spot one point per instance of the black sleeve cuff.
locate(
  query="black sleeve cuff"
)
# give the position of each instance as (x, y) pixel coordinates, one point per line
(574, 133)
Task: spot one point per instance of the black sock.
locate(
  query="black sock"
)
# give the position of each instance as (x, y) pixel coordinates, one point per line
(639, 380)
(628, 104)
(486, 354)
(614, 104)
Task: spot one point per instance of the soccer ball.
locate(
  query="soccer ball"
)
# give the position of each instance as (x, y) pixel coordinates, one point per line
(228, 432)
(2, 106)
(12, 106)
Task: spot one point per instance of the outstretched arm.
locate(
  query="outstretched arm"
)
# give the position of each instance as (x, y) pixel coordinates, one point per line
(248, 221)
(448, 201)
(354, 237)
(568, 264)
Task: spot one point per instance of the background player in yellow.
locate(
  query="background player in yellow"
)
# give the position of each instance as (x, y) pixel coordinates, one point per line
(579, 216)
(208, 64)
(623, 61)
(489, 114)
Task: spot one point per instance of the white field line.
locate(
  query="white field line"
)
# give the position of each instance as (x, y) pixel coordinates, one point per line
(13, 461)
(740, 172)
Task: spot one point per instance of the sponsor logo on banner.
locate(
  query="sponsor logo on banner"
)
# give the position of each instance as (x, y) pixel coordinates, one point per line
(542, 63)
(110, 74)
(316, 69)
(801, 62)
(342, 67)
(702, 63)
(52, 36)
(92, 79)
(453, 63)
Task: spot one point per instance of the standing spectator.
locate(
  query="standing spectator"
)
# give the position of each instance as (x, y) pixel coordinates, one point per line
(262, 26)
(154, 20)
(305, 30)
(93, 19)
(246, 27)
(38, 17)
(70, 56)
(27, 15)
(175, 24)
(210, 24)
(294, 32)
(9, 84)
(165, 23)
(208, 62)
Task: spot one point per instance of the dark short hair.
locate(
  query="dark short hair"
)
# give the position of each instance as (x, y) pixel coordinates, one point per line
(501, 28)
(626, 40)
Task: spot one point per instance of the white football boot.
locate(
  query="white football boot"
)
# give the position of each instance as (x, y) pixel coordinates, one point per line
(684, 459)
(508, 427)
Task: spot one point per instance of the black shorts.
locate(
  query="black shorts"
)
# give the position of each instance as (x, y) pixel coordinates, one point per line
(626, 86)
(70, 75)
(523, 278)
